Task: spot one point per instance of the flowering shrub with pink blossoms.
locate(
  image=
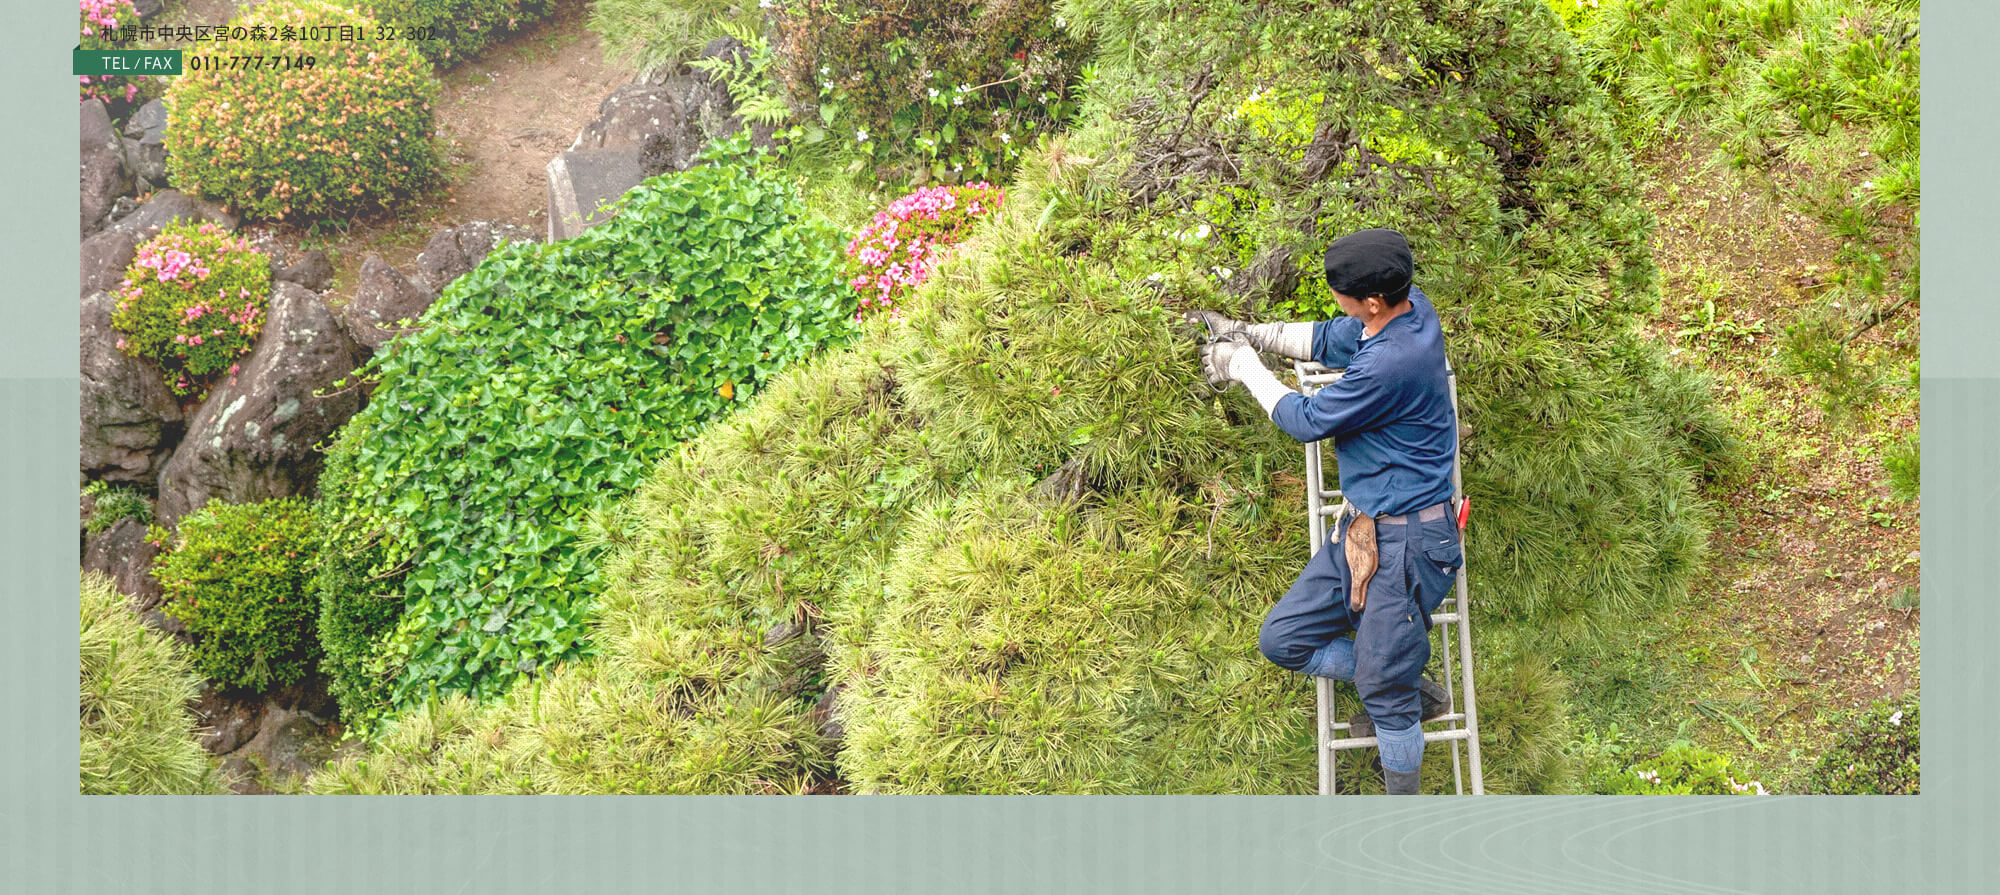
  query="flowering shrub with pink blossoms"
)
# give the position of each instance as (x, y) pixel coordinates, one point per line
(904, 243)
(94, 17)
(192, 302)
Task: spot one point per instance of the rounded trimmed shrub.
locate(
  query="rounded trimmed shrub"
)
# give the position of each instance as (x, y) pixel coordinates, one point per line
(898, 250)
(451, 31)
(192, 302)
(349, 132)
(236, 576)
(134, 733)
(544, 385)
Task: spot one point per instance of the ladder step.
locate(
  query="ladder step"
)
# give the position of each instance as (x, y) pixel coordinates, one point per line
(1441, 719)
(1430, 736)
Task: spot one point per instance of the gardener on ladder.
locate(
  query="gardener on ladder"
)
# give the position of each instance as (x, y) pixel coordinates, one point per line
(1391, 418)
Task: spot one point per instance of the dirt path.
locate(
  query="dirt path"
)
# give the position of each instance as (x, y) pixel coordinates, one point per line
(1809, 605)
(500, 118)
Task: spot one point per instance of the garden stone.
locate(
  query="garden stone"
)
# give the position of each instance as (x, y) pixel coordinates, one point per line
(312, 271)
(146, 164)
(255, 436)
(582, 182)
(148, 124)
(382, 297)
(167, 206)
(101, 166)
(103, 258)
(129, 420)
(265, 239)
(123, 553)
(451, 253)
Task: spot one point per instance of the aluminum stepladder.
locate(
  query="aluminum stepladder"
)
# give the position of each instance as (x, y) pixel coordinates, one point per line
(1451, 620)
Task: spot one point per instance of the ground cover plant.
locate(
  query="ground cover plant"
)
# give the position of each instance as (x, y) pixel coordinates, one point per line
(134, 732)
(1012, 544)
(350, 134)
(236, 576)
(542, 386)
(192, 302)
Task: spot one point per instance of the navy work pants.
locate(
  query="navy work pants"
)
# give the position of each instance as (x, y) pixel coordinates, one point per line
(1418, 567)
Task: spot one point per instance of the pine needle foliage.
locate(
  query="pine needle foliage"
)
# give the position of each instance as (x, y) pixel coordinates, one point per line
(1012, 543)
(134, 732)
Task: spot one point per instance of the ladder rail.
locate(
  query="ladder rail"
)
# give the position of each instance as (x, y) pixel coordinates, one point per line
(1462, 724)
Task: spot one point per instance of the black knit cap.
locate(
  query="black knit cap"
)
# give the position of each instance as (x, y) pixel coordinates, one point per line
(1371, 262)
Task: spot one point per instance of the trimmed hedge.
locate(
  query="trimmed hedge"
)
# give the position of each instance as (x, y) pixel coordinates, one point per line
(236, 576)
(166, 315)
(448, 32)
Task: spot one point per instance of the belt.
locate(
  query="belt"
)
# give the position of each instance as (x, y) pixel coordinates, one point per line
(1430, 513)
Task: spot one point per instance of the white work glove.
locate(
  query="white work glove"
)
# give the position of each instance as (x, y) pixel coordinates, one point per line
(1293, 340)
(1231, 358)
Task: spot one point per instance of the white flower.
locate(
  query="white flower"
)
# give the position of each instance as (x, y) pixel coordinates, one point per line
(1868, 184)
(825, 70)
(1201, 232)
(765, 4)
(1004, 138)
(861, 136)
(826, 85)
(1153, 277)
(958, 100)
(934, 93)
(1897, 718)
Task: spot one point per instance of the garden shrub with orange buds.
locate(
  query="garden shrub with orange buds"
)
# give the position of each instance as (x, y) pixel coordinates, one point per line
(237, 576)
(456, 29)
(344, 128)
(898, 250)
(192, 302)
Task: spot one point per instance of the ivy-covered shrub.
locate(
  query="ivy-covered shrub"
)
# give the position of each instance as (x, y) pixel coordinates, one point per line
(1685, 769)
(236, 576)
(349, 133)
(101, 25)
(899, 248)
(545, 384)
(192, 302)
(134, 733)
(1878, 754)
(450, 31)
(933, 90)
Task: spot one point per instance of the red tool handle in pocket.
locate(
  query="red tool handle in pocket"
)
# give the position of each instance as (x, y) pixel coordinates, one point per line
(1464, 511)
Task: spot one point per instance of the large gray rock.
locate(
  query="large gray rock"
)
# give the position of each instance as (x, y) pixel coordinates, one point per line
(148, 124)
(451, 253)
(253, 438)
(312, 270)
(167, 206)
(123, 553)
(129, 420)
(101, 166)
(103, 258)
(583, 182)
(147, 165)
(382, 297)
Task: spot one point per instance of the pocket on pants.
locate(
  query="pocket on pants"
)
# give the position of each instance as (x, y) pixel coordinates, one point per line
(1437, 572)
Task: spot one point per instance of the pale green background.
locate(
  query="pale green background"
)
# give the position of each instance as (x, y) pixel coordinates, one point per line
(52, 840)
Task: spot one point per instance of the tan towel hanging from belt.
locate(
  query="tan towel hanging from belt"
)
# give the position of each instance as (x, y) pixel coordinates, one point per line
(1361, 558)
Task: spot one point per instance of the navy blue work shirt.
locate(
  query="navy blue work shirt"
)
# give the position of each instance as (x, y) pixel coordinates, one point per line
(1390, 415)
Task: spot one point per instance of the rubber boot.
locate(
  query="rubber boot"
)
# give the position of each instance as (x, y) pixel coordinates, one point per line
(1400, 783)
